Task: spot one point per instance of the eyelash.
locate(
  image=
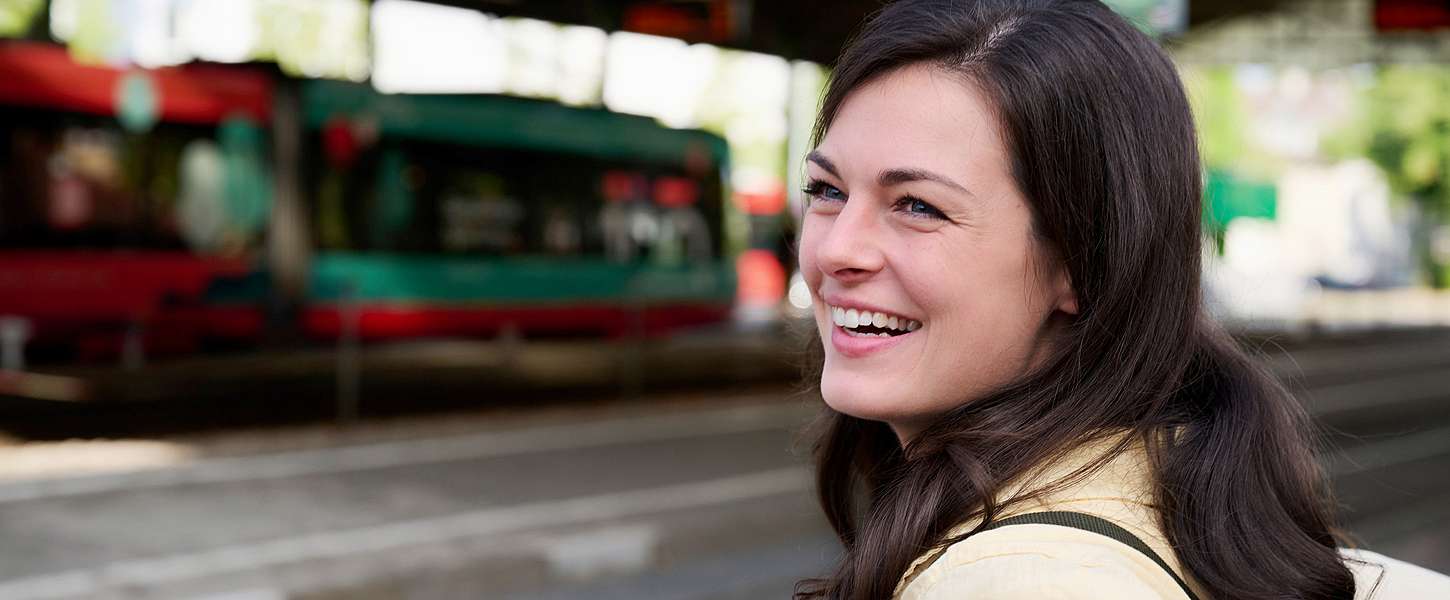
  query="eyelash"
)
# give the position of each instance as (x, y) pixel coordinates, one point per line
(815, 188)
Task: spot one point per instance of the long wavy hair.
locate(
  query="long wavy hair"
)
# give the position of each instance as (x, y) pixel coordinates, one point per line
(1101, 143)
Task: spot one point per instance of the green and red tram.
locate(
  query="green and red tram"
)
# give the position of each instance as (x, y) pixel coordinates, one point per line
(134, 206)
(99, 213)
(473, 214)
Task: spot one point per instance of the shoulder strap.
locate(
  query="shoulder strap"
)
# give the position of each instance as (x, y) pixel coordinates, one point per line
(1096, 525)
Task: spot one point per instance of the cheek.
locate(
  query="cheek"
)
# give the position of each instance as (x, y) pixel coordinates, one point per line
(980, 298)
(939, 278)
(806, 252)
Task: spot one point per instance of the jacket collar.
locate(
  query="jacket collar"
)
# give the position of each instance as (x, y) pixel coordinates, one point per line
(1125, 476)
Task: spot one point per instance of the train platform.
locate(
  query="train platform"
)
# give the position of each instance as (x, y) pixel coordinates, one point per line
(728, 349)
(370, 380)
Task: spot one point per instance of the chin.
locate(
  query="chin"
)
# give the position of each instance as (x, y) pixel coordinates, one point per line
(862, 397)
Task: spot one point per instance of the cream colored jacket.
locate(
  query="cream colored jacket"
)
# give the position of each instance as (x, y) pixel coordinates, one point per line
(1046, 562)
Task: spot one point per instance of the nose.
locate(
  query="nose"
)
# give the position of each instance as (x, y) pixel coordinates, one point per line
(850, 251)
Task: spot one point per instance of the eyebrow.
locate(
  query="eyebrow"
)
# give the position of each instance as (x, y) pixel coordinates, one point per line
(891, 177)
(825, 163)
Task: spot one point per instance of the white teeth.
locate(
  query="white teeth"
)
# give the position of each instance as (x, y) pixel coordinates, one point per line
(851, 318)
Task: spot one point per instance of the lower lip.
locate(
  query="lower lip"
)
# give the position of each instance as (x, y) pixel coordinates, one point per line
(852, 346)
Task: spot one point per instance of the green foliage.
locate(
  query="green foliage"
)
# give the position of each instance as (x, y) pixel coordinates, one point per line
(1403, 126)
(96, 32)
(1221, 120)
(17, 16)
(1218, 114)
(315, 39)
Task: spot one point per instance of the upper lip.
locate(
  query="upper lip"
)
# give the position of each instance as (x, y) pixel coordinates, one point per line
(838, 301)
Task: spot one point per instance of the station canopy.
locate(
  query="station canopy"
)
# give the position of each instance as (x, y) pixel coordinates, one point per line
(807, 30)
(330, 38)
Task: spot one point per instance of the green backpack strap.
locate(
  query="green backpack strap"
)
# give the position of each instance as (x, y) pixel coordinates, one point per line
(1096, 525)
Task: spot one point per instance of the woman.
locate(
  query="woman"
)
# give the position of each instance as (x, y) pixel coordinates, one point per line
(1003, 243)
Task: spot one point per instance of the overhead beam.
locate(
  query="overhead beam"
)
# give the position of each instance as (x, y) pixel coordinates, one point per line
(807, 30)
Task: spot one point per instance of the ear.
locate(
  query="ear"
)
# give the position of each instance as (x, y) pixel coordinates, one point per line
(1064, 292)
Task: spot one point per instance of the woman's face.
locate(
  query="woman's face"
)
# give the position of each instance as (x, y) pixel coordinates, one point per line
(916, 223)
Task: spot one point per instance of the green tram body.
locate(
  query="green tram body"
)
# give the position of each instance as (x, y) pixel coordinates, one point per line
(382, 174)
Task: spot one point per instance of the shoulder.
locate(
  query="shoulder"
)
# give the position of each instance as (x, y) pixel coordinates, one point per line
(1378, 576)
(1041, 561)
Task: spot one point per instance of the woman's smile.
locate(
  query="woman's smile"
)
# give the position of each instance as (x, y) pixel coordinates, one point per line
(861, 332)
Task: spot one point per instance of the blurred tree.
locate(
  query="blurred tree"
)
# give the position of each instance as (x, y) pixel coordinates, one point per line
(1222, 119)
(93, 32)
(1403, 126)
(327, 39)
(1217, 113)
(17, 16)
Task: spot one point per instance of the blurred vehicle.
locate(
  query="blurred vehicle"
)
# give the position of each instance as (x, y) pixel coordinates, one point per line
(134, 205)
(476, 214)
(128, 200)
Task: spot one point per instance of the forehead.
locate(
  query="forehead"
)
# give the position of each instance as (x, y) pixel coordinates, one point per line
(917, 116)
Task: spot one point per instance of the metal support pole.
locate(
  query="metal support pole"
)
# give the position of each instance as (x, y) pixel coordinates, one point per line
(349, 371)
(509, 343)
(288, 239)
(14, 333)
(632, 371)
(133, 346)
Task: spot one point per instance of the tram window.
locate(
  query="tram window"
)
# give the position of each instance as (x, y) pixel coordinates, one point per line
(72, 180)
(477, 214)
(424, 197)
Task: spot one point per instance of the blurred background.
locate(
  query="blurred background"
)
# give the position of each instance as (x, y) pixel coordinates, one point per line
(495, 298)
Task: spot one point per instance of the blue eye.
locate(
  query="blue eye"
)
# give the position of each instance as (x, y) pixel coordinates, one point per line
(917, 207)
(820, 190)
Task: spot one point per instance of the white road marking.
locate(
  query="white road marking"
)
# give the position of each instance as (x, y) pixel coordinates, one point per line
(621, 549)
(146, 573)
(678, 425)
(254, 594)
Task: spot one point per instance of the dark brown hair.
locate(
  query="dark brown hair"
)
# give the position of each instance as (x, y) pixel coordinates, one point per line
(1101, 143)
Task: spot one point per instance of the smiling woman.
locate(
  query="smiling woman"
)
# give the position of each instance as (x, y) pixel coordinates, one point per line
(1002, 243)
(891, 232)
